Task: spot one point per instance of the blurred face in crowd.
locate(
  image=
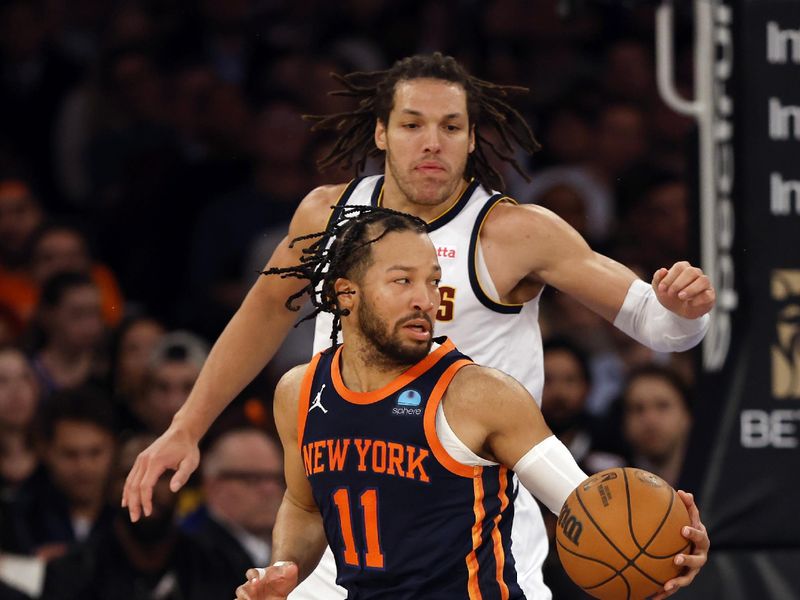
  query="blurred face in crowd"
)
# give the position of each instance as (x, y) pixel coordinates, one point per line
(169, 386)
(280, 136)
(135, 348)
(20, 215)
(80, 457)
(427, 140)
(656, 420)
(189, 96)
(22, 30)
(621, 138)
(568, 137)
(667, 217)
(565, 389)
(76, 322)
(19, 392)
(568, 204)
(244, 482)
(138, 85)
(57, 251)
(628, 70)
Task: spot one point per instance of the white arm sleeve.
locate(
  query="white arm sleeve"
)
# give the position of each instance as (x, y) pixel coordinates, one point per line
(646, 320)
(549, 472)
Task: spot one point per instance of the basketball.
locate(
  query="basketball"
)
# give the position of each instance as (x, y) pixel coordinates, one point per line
(618, 533)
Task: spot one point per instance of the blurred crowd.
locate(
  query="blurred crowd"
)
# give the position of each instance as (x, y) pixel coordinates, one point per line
(151, 154)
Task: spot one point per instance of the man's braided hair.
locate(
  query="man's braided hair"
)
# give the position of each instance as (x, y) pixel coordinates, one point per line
(342, 250)
(374, 91)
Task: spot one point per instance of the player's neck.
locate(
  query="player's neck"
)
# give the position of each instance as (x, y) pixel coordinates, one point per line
(360, 370)
(394, 198)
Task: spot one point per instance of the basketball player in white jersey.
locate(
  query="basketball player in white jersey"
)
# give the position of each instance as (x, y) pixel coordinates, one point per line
(425, 116)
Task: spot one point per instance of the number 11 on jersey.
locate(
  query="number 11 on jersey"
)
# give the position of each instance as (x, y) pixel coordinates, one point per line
(373, 558)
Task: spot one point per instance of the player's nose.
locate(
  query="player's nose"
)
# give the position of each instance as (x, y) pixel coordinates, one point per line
(423, 298)
(432, 140)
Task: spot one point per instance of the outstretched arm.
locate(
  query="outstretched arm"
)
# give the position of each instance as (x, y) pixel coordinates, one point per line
(248, 342)
(298, 539)
(527, 246)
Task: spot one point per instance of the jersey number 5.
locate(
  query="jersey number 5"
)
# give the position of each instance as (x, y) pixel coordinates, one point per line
(373, 558)
(447, 303)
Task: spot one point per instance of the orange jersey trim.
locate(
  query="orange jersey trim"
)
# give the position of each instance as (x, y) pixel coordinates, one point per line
(400, 382)
(429, 423)
(497, 539)
(473, 587)
(305, 398)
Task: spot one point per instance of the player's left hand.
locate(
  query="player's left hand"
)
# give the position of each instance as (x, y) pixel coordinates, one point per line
(698, 536)
(684, 290)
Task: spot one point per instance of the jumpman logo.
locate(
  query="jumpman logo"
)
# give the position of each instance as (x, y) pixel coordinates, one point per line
(318, 401)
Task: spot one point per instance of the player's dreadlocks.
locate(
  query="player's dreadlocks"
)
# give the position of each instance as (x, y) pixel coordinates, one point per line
(342, 250)
(486, 105)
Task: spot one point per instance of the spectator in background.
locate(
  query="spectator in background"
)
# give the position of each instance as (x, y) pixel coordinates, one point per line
(567, 381)
(68, 503)
(243, 484)
(71, 324)
(19, 399)
(34, 77)
(20, 216)
(135, 341)
(620, 142)
(133, 172)
(147, 560)
(628, 71)
(656, 223)
(171, 372)
(657, 420)
(57, 248)
(566, 134)
(227, 227)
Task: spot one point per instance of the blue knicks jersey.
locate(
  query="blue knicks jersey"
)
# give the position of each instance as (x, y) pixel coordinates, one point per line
(403, 518)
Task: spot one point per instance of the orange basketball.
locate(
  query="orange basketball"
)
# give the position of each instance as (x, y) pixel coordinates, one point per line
(618, 533)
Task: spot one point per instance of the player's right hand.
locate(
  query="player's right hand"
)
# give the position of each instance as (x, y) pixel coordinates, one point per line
(276, 583)
(174, 449)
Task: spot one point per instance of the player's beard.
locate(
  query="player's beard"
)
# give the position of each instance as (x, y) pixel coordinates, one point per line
(416, 192)
(389, 347)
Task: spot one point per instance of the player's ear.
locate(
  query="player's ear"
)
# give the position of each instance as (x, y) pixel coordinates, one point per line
(344, 290)
(380, 134)
(471, 139)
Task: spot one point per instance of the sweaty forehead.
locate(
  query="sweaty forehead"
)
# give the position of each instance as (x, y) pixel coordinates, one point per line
(433, 96)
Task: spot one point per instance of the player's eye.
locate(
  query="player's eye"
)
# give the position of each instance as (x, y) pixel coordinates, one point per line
(402, 280)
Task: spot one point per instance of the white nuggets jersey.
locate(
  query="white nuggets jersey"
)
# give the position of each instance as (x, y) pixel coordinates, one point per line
(503, 336)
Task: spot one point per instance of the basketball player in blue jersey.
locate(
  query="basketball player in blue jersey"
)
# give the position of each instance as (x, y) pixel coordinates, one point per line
(426, 116)
(398, 454)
